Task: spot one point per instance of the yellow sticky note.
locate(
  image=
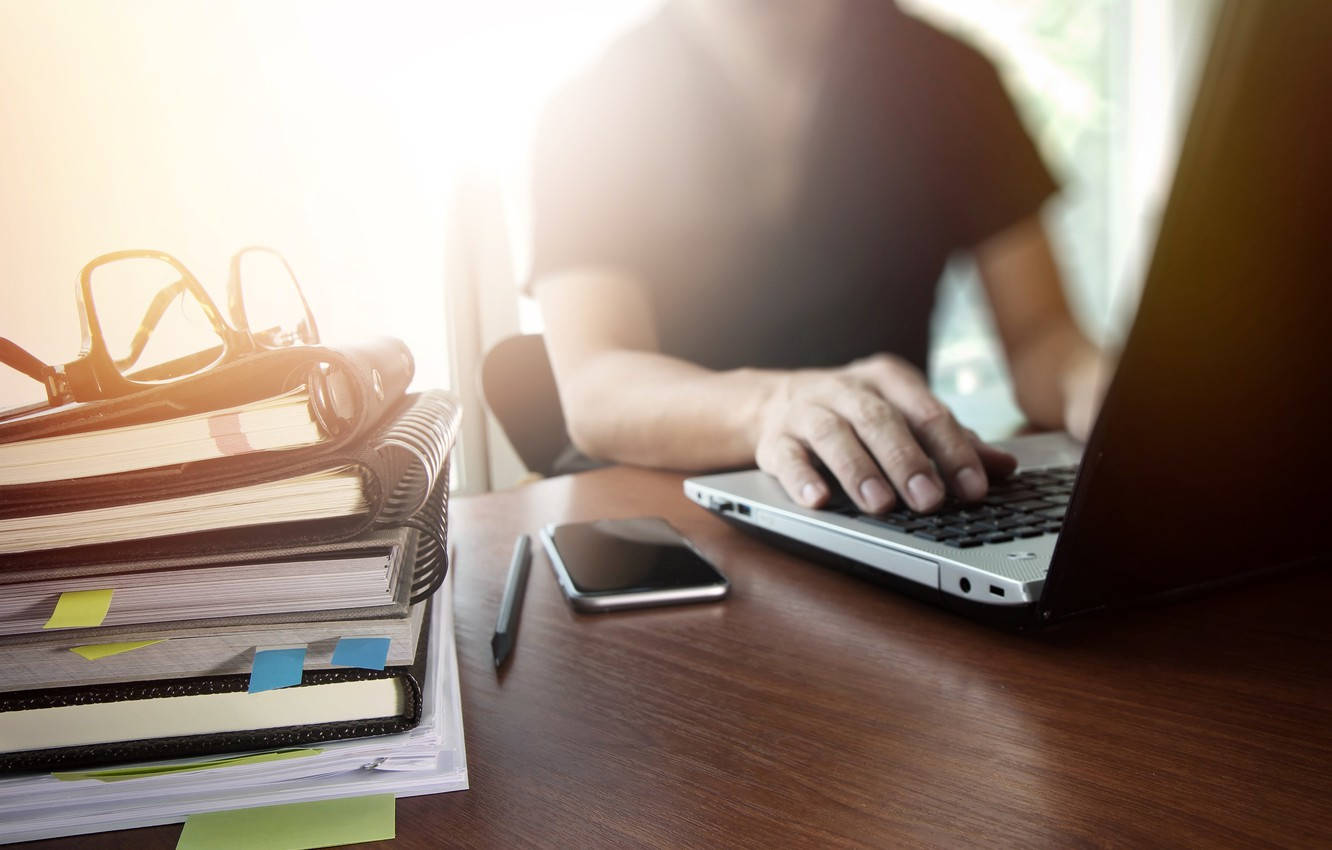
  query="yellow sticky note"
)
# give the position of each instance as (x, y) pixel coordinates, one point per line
(94, 651)
(294, 826)
(80, 609)
(121, 774)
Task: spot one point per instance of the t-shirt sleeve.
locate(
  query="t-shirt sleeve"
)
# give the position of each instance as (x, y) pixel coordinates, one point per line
(581, 182)
(998, 175)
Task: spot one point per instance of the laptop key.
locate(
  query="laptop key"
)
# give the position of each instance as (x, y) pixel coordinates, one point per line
(839, 503)
(967, 542)
(1000, 537)
(930, 534)
(1010, 497)
(894, 523)
(1024, 531)
(979, 512)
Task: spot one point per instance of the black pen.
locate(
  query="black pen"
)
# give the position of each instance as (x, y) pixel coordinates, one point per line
(507, 623)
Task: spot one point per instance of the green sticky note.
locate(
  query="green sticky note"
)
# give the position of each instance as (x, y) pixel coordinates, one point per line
(295, 826)
(80, 609)
(92, 652)
(120, 774)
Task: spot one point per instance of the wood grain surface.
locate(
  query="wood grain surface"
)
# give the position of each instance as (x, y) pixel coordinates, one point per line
(813, 709)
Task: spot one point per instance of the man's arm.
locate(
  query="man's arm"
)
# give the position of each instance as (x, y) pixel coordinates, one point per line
(873, 423)
(626, 401)
(1059, 376)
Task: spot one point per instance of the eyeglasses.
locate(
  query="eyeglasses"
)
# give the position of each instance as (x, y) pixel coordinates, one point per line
(180, 332)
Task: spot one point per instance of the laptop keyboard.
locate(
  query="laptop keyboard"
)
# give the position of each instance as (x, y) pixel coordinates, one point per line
(1026, 504)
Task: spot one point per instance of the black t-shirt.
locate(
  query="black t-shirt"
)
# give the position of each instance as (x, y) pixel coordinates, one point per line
(915, 151)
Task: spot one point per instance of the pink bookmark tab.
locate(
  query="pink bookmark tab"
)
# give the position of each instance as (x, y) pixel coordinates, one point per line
(225, 429)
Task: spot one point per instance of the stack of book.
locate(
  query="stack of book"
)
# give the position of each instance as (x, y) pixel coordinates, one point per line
(207, 608)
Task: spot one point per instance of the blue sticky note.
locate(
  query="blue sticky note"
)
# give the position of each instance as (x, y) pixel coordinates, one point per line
(368, 652)
(276, 668)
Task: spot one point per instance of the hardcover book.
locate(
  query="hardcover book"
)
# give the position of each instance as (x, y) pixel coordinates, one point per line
(82, 727)
(278, 422)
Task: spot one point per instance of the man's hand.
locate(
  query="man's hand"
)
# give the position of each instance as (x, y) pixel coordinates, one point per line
(1084, 387)
(880, 432)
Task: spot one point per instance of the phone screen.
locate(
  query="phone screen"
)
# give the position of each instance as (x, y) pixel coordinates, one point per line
(630, 555)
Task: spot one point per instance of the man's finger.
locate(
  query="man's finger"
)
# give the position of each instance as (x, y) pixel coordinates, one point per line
(885, 433)
(830, 436)
(945, 440)
(783, 457)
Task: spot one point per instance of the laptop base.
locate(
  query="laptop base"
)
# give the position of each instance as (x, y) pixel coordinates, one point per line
(1019, 618)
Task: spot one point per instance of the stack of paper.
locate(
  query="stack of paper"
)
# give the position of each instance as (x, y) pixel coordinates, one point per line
(363, 576)
(195, 618)
(221, 642)
(425, 760)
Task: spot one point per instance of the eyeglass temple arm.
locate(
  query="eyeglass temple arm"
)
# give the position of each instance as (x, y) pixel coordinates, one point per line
(18, 357)
(12, 354)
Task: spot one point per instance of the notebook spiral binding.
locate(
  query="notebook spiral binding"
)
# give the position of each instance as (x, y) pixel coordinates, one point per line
(416, 446)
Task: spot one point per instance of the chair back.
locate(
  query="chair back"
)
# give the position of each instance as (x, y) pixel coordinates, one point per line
(519, 389)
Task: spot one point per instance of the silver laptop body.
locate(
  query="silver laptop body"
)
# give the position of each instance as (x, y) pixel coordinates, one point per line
(1005, 574)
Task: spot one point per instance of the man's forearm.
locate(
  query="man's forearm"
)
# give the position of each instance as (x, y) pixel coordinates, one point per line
(647, 408)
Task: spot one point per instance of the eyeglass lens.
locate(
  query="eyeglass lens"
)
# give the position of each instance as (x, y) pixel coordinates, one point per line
(149, 317)
(274, 310)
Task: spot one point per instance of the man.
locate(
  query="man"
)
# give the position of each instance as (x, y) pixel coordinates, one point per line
(740, 216)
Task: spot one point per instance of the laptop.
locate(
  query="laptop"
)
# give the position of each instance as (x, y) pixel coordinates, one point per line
(1211, 460)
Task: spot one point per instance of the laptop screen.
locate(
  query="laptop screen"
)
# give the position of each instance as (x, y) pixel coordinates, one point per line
(1211, 458)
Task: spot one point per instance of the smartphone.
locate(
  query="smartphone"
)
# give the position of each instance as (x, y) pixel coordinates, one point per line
(609, 564)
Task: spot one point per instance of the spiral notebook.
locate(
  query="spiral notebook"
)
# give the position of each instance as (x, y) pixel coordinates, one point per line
(396, 477)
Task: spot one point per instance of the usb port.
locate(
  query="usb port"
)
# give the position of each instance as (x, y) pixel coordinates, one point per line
(996, 590)
(743, 510)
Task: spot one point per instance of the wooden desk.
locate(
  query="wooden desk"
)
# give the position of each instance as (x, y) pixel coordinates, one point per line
(814, 709)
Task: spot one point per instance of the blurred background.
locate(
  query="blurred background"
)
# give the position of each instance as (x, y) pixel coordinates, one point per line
(381, 148)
